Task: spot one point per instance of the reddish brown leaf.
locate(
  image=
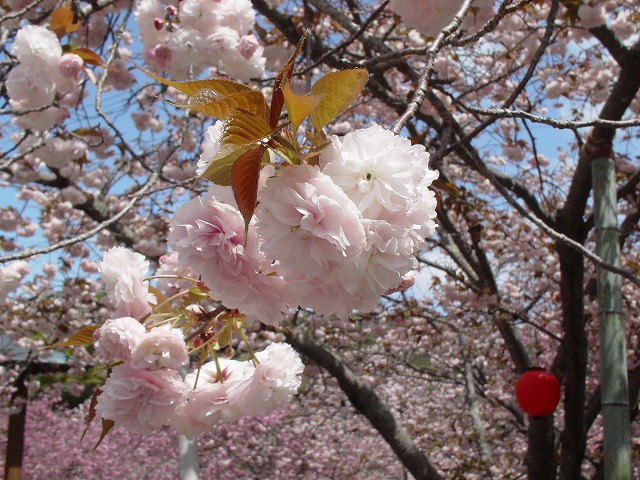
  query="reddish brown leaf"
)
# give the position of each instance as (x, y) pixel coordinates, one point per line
(106, 426)
(245, 173)
(218, 86)
(277, 97)
(88, 55)
(244, 128)
(92, 410)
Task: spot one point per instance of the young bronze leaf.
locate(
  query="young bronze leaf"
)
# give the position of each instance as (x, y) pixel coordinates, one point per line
(298, 106)
(219, 169)
(338, 90)
(218, 85)
(62, 21)
(222, 106)
(92, 409)
(242, 128)
(84, 336)
(277, 97)
(106, 426)
(88, 55)
(245, 173)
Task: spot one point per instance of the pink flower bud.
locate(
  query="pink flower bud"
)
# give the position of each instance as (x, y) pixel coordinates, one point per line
(158, 23)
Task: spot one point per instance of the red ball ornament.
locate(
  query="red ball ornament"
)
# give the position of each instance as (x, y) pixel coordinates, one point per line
(538, 392)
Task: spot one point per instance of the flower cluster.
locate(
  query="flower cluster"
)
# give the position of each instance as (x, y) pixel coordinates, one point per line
(431, 16)
(43, 75)
(331, 237)
(194, 33)
(144, 390)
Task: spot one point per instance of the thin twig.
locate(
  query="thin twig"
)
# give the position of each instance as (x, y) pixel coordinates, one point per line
(423, 86)
(90, 233)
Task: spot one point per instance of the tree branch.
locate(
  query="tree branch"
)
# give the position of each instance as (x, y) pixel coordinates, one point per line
(365, 399)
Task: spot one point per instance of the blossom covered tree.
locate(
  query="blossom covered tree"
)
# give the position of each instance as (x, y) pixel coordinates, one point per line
(238, 186)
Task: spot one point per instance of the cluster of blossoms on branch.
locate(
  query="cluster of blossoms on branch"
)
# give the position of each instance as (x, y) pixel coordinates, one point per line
(184, 37)
(44, 74)
(145, 390)
(430, 17)
(291, 221)
(332, 237)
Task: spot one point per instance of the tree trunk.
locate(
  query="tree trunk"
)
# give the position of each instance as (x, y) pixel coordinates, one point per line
(15, 434)
(573, 437)
(541, 464)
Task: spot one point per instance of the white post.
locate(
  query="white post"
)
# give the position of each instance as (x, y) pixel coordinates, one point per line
(188, 450)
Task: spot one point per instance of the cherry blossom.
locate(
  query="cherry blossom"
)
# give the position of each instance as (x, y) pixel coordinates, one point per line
(141, 400)
(122, 272)
(11, 275)
(381, 172)
(306, 222)
(160, 348)
(117, 337)
(271, 384)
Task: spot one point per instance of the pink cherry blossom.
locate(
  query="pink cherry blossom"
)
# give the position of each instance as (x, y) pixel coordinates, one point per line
(30, 86)
(381, 172)
(207, 402)
(37, 45)
(11, 275)
(140, 400)
(203, 408)
(426, 16)
(209, 236)
(170, 266)
(307, 222)
(160, 348)
(210, 146)
(122, 272)
(273, 383)
(591, 15)
(116, 339)
(70, 65)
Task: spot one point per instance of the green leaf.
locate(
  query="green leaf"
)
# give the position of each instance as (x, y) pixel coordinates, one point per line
(338, 90)
(196, 295)
(277, 97)
(88, 132)
(245, 174)
(223, 338)
(298, 106)
(219, 170)
(84, 336)
(161, 301)
(243, 128)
